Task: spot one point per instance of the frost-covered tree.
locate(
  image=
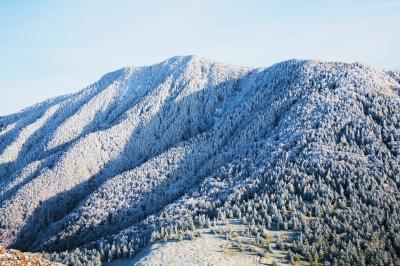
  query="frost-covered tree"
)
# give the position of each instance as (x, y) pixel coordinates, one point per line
(149, 152)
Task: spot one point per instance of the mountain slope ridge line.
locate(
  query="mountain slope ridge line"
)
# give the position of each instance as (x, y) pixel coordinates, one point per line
(159, 146)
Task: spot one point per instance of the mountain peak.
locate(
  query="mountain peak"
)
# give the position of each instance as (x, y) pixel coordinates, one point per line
(301, 146)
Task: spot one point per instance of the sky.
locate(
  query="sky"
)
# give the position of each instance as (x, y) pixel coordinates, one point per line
(49, 48)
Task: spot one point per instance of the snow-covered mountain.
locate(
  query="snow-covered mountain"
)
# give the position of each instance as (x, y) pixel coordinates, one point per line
(306, 146)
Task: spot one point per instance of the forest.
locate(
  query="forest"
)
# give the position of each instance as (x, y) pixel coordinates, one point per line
(151, 153)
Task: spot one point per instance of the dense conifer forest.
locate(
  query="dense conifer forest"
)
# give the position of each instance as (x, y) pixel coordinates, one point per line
(151, 153)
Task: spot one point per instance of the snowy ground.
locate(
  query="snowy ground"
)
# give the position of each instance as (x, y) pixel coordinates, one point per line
(211, 248)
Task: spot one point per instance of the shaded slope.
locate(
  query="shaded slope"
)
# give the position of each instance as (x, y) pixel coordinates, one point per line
(304, 145)
(106, 147)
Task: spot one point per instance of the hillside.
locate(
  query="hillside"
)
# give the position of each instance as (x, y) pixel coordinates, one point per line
(150, 152)
(227, 242)
(17, 258)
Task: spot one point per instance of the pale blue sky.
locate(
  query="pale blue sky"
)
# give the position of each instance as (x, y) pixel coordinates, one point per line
(48, 48)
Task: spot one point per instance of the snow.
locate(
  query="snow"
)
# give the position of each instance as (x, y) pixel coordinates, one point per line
(14, 149)
(145, 144)
(208, 249)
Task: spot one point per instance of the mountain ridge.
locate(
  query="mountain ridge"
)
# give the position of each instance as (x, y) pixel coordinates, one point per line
(146, 144)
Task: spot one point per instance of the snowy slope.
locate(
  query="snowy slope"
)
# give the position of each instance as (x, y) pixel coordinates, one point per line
(155, 146)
